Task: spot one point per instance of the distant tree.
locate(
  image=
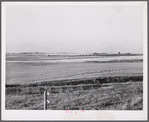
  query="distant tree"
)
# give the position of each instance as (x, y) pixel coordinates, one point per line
(95, 53)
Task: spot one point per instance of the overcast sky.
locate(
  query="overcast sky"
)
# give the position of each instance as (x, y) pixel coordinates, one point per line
(74, 29)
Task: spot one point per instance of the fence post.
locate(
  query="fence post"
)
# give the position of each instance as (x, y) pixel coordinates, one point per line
(81, 87)
(17, 91)
(45, 100)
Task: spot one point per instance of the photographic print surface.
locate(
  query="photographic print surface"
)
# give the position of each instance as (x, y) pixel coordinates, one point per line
(74, 57)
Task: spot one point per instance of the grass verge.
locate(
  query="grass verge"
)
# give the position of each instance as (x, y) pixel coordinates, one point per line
(110, 96)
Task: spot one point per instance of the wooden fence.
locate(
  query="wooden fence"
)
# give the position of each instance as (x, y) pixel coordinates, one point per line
(67, 89)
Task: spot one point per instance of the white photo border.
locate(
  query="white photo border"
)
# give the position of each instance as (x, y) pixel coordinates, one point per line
(86, 115)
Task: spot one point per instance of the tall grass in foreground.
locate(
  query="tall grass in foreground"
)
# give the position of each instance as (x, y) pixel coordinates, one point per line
(117, 96)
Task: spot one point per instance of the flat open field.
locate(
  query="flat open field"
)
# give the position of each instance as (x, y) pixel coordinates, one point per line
(22, 73)
(100, 83)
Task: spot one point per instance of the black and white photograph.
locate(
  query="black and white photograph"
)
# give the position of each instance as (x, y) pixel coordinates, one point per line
(76, 59)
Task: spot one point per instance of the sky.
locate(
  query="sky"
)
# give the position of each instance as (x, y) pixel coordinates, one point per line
(74, 28)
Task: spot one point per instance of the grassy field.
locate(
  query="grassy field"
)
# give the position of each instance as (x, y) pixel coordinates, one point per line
(114, 84)
(35, 72)
(110, 95)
